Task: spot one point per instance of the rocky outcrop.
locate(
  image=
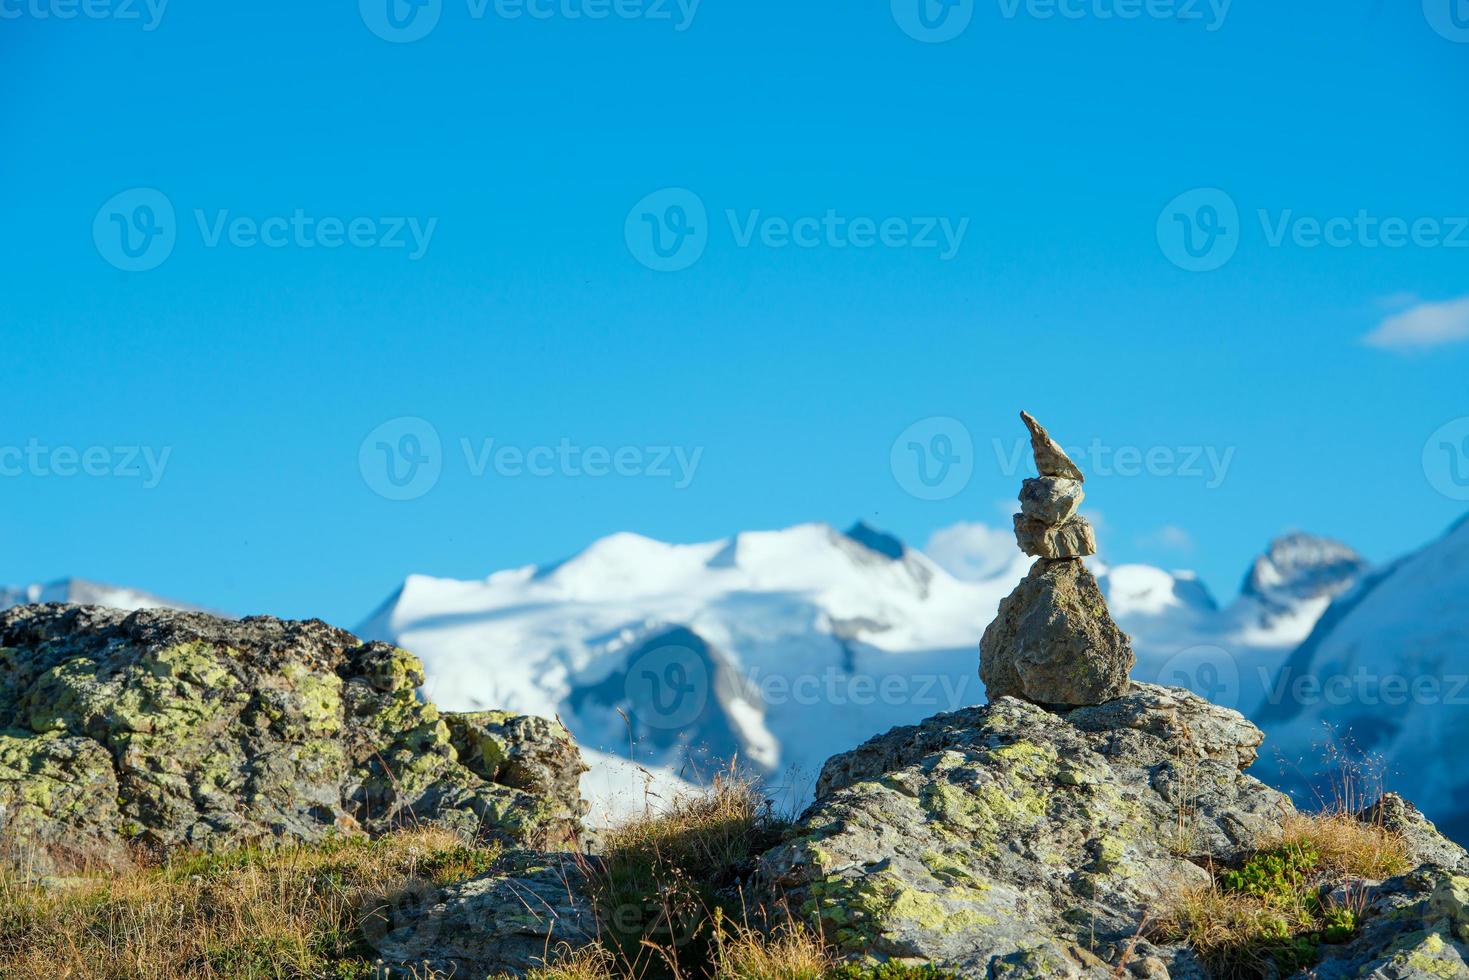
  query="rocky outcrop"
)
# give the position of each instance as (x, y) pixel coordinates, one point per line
(1012, 841)
(1008, 838)
(166, 730)
(507, 923)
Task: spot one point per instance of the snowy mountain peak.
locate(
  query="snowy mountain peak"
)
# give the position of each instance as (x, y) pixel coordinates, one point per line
(879, 541)
(84, 592)
(1299, 567)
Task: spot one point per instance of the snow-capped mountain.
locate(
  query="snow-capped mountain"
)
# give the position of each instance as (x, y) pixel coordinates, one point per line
(1386, 673)
(779, 647)
(782, 647)
(1229, 654)
(83, 592)
(1299, 576)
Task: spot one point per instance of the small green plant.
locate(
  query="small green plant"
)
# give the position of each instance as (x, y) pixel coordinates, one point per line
(1269, 914)
(1339, 925)
(1276, 876)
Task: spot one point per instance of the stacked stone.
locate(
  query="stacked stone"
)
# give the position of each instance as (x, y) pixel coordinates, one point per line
(1053, 641)
(1048, 525)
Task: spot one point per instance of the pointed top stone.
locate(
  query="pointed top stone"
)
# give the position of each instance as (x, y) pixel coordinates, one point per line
(1050, 458)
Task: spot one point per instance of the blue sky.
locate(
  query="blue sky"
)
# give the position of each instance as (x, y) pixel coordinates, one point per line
(329, 230)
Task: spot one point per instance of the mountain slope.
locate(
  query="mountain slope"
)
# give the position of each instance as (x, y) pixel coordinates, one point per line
(1387, 671)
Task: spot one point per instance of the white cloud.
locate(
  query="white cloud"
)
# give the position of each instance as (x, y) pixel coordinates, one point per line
(972, 551)
(1422, 326)
(1169, 536)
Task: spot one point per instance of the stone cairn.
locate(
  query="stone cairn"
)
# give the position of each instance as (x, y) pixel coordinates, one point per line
(1053, 641)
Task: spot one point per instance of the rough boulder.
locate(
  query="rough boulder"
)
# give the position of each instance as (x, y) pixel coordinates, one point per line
(161, 730)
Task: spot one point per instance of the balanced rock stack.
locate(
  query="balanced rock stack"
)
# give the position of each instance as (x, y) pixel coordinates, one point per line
(1053, 641)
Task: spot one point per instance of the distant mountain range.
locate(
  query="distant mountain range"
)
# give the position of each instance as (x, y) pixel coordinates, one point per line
(83, 592)
(785, 647)
(1385, 675)
(781, 648)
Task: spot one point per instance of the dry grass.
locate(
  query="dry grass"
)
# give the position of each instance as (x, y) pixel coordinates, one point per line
(1270, 914)
(793, 953)
(666, 887)
(291, 912)
(1349, 848)
(665, 875)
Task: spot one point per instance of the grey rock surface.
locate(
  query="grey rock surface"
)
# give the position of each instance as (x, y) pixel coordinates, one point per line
(1007, 841)
(509, 922)
(161, 730)
(1053, 641)
(1050, 499)
(1012, 841)
(1072, 539)
(1050, 458)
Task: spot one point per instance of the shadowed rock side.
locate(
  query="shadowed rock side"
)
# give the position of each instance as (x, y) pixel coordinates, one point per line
(1053, 641)
(1010, 841)
(166, 730)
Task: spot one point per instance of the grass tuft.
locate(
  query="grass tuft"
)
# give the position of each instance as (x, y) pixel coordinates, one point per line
(286, 912)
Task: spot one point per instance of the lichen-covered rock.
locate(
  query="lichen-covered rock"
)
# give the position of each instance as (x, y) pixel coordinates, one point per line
(1012, 841)
(1009, 841)
(1054, 642)
(509, 922)
(1416, 927)
(167, 730)
(1425, 845)
(536, 755)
